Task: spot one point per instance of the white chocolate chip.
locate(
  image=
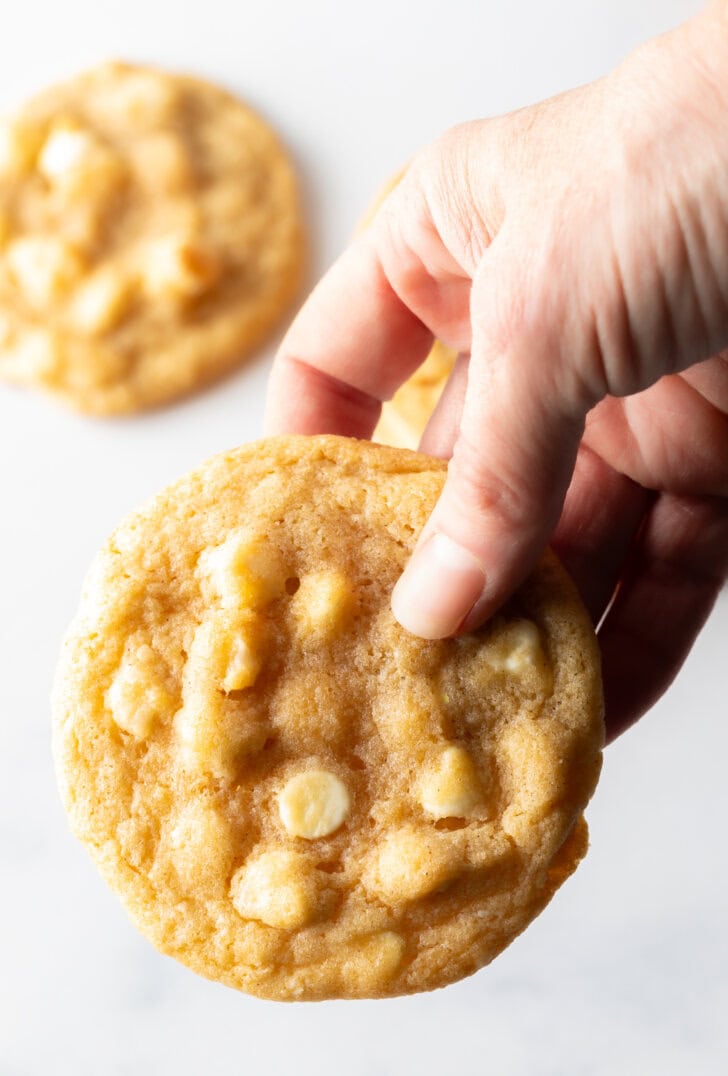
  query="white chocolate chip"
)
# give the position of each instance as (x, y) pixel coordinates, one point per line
(137, 697)
(65, 149)
(44, 268)
(518, 649)
(322, 604)
(372, 959)
(313, 804)
(449, 788)
(243, 571)
(226, 650)
(243, 665)
(525, 647)
(410, 864)
(177, 267)
(279, 888)
(32, 355)
(81, 168)
(100, 303)
(212, 731)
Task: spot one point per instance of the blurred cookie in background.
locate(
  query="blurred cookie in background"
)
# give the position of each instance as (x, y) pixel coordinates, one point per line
(150, 237)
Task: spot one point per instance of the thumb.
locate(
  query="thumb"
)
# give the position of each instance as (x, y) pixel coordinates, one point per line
(512, 461)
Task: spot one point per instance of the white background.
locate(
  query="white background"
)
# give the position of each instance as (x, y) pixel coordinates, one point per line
(626, 972)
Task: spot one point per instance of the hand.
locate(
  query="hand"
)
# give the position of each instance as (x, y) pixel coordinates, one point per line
(576, 255)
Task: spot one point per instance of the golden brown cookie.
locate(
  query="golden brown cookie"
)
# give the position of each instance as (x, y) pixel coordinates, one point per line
(289, 792)
(150, 236)
(405, 416)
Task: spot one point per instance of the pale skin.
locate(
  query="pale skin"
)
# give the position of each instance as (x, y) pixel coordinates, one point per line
(575, 253)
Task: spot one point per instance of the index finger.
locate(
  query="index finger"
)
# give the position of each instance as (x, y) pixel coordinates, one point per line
(368, 324)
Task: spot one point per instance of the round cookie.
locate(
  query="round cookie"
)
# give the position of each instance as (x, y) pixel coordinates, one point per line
(150, 236)
(405, 416)
(289, 792)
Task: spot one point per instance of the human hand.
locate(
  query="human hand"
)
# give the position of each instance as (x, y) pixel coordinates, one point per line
(576, 255)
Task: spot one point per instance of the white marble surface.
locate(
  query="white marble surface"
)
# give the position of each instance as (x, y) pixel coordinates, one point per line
(626, 971)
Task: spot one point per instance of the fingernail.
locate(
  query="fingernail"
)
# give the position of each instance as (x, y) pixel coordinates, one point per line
(438, 588)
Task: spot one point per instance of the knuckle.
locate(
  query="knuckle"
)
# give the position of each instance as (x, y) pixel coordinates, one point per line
(515, 304)
(457, 188)
(482, 491)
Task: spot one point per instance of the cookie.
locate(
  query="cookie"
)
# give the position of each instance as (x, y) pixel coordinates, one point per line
(150, 236)
(290, 793)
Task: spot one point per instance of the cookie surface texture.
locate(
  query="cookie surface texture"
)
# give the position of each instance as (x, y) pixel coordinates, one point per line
(150, 236)
(289, 792)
